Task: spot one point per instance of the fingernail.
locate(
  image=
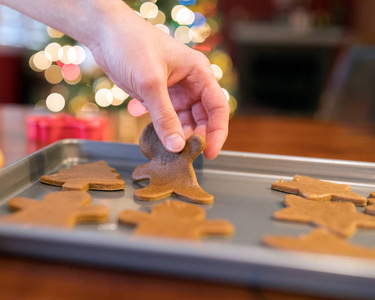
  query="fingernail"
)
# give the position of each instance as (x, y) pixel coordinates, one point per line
(174, 143)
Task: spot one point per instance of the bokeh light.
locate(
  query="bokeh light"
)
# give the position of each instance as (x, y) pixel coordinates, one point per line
(70, 72)
(62, 54)
(187, 2)
(183, 34)
(103, 97)
(102, 83)
(185, 16)
(90, 107)
(148, 10)
(53, 33)
(199, 20)
(51, 51)
(200, 34)
(61, 89)
(75, 105)
(32, 65)
(136, 108)
(175, 11)
(119, 93)
(225, 93)
(218, 72)
(53, 74)
(41, 61)
(159, 19)
(55, 102)
(163, 28)
(221, 59)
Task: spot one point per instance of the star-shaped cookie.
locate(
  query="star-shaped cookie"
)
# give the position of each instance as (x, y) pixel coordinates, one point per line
(340, 218)
(319, 241)
(319, 190)
(58, 209)
(169, 173)
(93, 176)
(175, 219)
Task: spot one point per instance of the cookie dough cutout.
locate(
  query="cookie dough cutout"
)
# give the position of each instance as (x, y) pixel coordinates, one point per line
(169, 173)
(319, 190)
(370, 208)
(341, 218)
(93, 176)
(58, 209)
(319, 241)
(177, 220)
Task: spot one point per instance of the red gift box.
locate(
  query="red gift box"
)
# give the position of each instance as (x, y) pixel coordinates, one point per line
(47, 129)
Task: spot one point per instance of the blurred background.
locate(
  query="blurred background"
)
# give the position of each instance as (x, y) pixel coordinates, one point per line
(314, 58)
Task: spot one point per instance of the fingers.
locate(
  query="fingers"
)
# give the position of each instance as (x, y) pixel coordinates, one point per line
(217, 108)
(164, 117)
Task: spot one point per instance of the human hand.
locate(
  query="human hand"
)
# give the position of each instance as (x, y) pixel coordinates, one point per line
(174, 82)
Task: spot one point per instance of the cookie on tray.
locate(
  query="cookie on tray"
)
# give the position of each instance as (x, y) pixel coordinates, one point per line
(175, 219)
(92, 176)
(319, 241)
(169, 173)
(57, 209)
(340, 218)
(319, 190)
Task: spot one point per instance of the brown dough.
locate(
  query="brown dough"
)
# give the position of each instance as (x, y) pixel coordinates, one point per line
(93, 176)
(175, 219)
(340, 218)
(370, 208)
(319, 241)
(169, 172)
(58, 209)
(319, 190)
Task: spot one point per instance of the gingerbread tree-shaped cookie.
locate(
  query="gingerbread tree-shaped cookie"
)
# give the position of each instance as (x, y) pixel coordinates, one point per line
(169, 172)
(175, 219)
(340, 218)
(319, 190)
(58, 209)
(93, 176)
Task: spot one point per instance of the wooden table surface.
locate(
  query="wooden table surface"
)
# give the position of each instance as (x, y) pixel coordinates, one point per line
(25, 278)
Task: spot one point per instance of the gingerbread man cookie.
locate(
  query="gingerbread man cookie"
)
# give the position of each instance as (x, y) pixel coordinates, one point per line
(370, 208)
(58, 209)
(93, 176)
(175, 219)
(169, 173)
(319, 190)
(340, 218)
(319, 241)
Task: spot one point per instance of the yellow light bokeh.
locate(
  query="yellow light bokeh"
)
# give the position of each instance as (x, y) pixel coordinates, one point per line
(53, 33)
(159, 19)
(200, 34)
(175, 11)
(103, 97)
(148, 10)
(183, 34)
(90, 107)
(53, 74)
(80, 55)
(63, 54)
(32, 65)
(226, 93)
(218, 72)
(118, 93)
(55, 102)
(163, 28)
(221, 59)
(41, 61)
(102, 83)
(51, 51)
(75, 105)
(61, 89)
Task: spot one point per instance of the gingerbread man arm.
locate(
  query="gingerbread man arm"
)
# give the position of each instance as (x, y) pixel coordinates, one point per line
(20, 203)
(194, 146)
(141, 172)
(216, 227)
(129, 216)
(152, 192)
(99, 213)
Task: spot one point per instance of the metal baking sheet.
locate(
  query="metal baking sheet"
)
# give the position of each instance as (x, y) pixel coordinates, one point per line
(240, 183)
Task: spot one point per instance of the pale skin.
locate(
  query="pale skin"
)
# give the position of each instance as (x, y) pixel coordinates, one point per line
(174, 82)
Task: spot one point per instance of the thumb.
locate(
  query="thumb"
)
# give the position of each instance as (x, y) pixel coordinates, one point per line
(165, 120)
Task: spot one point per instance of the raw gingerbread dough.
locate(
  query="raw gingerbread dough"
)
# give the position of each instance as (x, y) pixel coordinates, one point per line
(169, 173)
(340, 218)
(58, 209)
(319, 241)
(319, 190)
(93, 176)
(175, 219)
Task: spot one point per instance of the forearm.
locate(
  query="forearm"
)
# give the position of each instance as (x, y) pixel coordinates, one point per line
(87, 21)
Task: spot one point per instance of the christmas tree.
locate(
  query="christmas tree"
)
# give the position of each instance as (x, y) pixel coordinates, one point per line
(76, 84)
